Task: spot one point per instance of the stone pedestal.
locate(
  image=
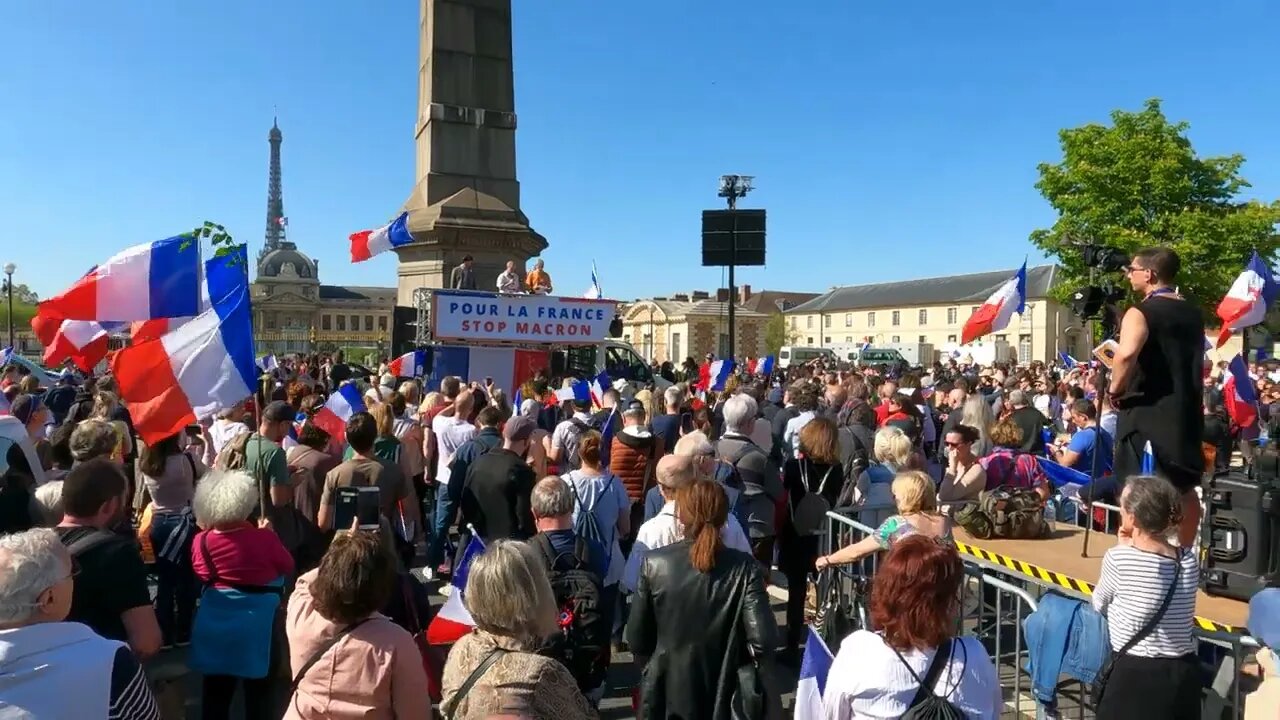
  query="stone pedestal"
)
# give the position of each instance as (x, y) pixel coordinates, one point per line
(467, 198)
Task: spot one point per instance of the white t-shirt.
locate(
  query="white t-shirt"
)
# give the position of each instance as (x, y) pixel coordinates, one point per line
(868, 682)
(664, 529)
(450, 433)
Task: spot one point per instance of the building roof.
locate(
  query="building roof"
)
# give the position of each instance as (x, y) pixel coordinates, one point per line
(682, 308)
(766, 301)
(356, 292)
(273, 262)
(971, 288)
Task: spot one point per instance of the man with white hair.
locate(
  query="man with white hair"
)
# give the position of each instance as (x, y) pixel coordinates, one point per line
(1029, 420)
(666, 426)
(675, 472)
(761, 482)
(55, 669)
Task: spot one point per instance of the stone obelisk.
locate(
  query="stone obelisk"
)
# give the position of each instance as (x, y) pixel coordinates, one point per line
(467, 199)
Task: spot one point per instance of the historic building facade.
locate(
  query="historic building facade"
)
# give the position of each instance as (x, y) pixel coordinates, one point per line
(673, 328)
(292, 311)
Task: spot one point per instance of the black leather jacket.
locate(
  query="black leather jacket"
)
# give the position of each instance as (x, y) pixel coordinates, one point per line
(697, 629)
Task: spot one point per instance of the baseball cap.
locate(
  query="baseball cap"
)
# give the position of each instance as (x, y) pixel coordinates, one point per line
(388, 380)
(278, 411)
(1264, 617)
(518, 428)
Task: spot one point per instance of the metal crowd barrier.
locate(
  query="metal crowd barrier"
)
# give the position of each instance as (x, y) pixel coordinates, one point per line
(995, 601)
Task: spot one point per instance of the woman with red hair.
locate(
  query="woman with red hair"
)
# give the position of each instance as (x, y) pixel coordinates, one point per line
(915, 602)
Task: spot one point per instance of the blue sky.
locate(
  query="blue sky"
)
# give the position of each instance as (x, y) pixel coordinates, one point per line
(889, 140)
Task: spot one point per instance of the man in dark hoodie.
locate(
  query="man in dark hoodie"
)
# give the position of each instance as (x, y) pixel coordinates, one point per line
(761, 483)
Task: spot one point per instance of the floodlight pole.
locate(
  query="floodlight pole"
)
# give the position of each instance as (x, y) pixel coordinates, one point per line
(733, 187)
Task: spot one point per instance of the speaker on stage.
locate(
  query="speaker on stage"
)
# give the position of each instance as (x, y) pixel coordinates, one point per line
(1240, 533)
(404, 330)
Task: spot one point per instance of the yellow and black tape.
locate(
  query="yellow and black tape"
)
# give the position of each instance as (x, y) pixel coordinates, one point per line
(1056, 579)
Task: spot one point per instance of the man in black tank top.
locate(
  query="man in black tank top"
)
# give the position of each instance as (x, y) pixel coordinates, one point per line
(1157, 382)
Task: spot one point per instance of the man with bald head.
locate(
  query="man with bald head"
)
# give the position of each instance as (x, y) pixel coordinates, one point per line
(674, 473)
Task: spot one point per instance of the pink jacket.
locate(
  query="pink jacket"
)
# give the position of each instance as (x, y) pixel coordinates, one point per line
(374, 672)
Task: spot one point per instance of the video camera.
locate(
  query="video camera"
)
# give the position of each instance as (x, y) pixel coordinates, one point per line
(1097, 301)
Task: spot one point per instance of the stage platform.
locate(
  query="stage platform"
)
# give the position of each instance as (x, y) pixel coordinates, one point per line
(1057, 561)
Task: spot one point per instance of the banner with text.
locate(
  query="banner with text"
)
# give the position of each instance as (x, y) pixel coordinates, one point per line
(493, 317)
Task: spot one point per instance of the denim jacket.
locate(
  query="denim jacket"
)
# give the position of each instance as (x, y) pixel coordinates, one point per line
(1065, 636)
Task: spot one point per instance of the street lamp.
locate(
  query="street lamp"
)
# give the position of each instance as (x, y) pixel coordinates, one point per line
(733, 187)
(9, 269)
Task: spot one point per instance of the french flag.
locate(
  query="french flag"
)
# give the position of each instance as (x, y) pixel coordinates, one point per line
(454, 621)
(1247, 301)
(1067, 361)
(155, 280)
(720, 372)
(509, 367)
(410, 364)
(1239, 395)
(338, 409)
(190, 373)
(760, 366)
(367, 243)
(224, 276)
(994, 314)
(267, 363)
(84, 342)
(814, 668)
(597, 387)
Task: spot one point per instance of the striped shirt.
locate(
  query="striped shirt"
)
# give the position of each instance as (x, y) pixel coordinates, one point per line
(1133, 585)
(131, 697)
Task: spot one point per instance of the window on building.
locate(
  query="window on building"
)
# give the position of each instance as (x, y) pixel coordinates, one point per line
(368, 323)
(827, 340)
(326, 322)
(723, 349)
(1026, 312)
(848, 319)
(826, 321)
(951, 338)
(342, 323)
(895, 338)
(923, 317)
(808, 322)
(871, 319)
(795, 322)
(848, 338)
(951, 316)
(973, 309)
(923, 339)
(1024, 348)
(382, 323)
(895, 318)
(1002, 338)
(355, 323)
(675, 347)
(271, 320)
(808, 341)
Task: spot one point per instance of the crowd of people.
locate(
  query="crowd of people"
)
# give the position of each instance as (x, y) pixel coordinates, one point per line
(636, 520)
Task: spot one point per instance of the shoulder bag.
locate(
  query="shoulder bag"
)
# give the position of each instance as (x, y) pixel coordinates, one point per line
(1099, 687)
(451, 705)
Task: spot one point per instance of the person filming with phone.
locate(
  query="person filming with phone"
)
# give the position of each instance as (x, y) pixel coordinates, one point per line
(366, 470)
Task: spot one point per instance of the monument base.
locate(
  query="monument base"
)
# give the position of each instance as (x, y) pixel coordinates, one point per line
(468, 222)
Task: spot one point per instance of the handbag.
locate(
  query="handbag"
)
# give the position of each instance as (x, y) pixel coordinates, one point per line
(755, 699)
(1099, 687)
(832, 623)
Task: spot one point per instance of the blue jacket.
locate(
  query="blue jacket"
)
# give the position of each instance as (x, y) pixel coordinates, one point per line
(1064, 636)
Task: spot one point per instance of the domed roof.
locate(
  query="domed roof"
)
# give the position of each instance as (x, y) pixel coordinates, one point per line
(286, 262)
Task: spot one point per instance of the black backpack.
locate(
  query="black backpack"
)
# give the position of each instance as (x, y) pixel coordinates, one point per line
(582, 645)
(926, 705)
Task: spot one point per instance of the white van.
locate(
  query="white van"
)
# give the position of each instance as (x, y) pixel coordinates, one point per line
(790, 354)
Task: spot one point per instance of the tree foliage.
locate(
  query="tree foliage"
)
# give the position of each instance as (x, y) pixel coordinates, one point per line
(1139, 183)
(217, 235)
(24, 294)
(777, 333)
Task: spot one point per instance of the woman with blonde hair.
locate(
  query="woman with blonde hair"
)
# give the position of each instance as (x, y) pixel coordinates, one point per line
(496, 668)
(977, 414)
(917, 515)
(105, 407)
(698, 588)
(892, 453)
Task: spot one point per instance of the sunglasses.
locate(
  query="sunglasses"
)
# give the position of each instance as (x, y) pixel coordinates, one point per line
(950, 444)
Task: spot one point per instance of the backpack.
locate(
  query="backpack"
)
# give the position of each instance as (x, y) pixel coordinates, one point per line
(585, 525)
(578, 428)
(582, 645)
(926, 705)
(1005, 512)
(234, 455)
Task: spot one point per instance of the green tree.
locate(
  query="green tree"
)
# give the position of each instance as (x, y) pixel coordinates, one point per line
(24, 294)
(777, 333)
(1139, 183)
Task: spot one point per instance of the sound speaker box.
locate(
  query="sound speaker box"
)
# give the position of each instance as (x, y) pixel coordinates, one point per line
(1240, 533)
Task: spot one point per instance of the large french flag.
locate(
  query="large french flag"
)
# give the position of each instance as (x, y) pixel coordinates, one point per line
(1247, 301)
(190, 373)
(338, 409)
(994, 314)
(454, 621)
(1239, 395)
(720, 372)
(509, 367)
(155, 280)
(411, 364)
(224, 275)
(367, 243)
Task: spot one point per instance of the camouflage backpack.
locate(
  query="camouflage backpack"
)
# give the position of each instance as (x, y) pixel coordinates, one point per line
(1006, 513)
